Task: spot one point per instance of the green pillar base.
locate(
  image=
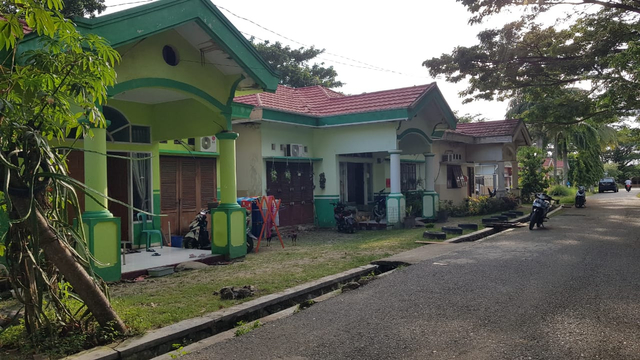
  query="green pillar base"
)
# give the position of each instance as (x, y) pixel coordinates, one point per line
(228, 231)
(324, 210)
(103, 235)
(396, 205)
(430, 201)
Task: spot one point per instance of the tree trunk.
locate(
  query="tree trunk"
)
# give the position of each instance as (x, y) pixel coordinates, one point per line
(555, 159)
(82, 283)
(565, 165)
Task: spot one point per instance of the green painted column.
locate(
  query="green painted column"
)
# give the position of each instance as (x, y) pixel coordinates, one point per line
(228, 219)
(102, 229)
(95, 170)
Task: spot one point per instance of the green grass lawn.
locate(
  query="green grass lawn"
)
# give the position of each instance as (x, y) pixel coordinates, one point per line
(158, 302)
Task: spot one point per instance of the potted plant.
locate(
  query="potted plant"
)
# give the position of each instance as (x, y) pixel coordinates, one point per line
(445, 210)
(409, 219)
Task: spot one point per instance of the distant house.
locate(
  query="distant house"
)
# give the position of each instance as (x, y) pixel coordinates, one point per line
(313, 146)
(549, 165)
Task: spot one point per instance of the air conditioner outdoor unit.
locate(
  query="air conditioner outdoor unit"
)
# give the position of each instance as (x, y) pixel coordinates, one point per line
(296, 150)
(206, 144)
(451, 157)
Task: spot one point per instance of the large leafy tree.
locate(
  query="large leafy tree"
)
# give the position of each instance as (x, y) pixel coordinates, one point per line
(625, 154)
(47, 93)
(70, 8)
(294, 65)
(595, 47)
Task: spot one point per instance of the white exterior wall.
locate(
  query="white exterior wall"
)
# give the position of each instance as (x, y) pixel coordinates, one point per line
(456, 195)
(330, 142)
(249, 164)
(484, 153)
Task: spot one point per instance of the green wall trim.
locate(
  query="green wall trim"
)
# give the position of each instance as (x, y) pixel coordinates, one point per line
(167, 84)
(140, 22)
(291, 158)
(101, 214)
(411, 161)
(417, 132)
(189, 153)
(326, 196)
(435, 95)
(227, 135)
(359, 118)
(280, 116)
(324, 211)
(241, 111)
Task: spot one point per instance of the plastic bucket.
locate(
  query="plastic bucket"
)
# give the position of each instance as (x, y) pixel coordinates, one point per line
(176, 241)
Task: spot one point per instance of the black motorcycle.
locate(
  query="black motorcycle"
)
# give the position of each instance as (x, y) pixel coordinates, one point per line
(581, 197)
(379, 206)
(198, 235)
(627, 187)
(344, 218)
(539, 211)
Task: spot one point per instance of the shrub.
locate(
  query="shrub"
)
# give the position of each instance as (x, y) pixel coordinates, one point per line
(480, 205)
(559, 190)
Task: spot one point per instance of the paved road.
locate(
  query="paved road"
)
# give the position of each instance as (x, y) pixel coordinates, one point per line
(569, 291)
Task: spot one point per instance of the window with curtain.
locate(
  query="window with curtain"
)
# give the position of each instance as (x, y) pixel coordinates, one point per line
(141, 179)
(407, 177)
(455, 178)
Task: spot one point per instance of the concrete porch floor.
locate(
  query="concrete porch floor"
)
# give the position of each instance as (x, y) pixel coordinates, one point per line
(136, 264)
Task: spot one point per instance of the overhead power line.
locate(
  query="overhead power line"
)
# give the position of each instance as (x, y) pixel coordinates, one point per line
(366, 66)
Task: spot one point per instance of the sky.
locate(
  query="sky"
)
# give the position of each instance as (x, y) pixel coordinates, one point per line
(372, 45)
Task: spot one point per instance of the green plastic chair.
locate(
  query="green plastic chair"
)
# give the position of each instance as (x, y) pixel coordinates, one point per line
(142, 217)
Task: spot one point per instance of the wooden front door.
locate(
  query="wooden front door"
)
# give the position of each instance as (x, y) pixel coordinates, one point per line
(296, 192)
(187, 185)
(118, 180)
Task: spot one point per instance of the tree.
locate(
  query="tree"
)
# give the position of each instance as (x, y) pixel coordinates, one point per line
(625, 153)
(532, 176)
(70, 8)
(293, 65)
(48, 93)
(468, 118)
(82, 8)
(596, 45)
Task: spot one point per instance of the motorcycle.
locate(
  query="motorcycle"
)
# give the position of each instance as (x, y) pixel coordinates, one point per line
(380, 206)
(627, 187)
(250, 237)
(540, 209)
(581, 197)
(344, 218)
(198, 235)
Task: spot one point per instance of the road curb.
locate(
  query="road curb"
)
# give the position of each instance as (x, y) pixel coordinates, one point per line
(160, 341)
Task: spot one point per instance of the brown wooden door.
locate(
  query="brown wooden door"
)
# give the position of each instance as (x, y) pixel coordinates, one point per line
(186, 186)
(296, 193)
(472, 181)
(118, 180)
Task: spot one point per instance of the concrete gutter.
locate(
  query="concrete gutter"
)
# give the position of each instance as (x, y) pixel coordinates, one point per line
(160, 341)
(218, 326)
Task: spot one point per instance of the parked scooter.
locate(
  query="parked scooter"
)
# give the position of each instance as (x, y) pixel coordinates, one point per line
(539, 211)
(581, 197)
(198, 235)
(380, 206)
(344, 218)
(250, 237)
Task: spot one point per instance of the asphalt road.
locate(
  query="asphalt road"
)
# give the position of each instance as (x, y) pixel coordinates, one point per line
(568, 291)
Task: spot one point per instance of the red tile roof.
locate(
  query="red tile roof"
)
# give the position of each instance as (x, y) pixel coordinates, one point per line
(488, 128)
(321, 101)
(547, 163)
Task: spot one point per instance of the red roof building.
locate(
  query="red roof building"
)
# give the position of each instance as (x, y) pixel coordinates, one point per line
(318, 101)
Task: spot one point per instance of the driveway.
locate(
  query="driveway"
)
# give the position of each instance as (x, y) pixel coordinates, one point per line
(568, 291)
